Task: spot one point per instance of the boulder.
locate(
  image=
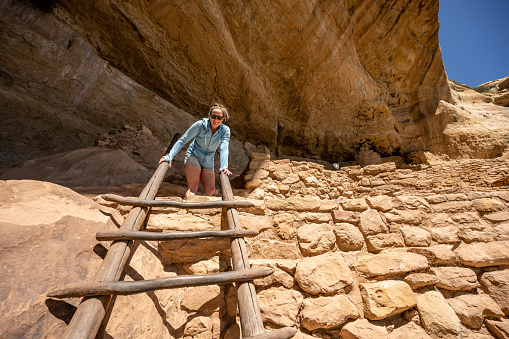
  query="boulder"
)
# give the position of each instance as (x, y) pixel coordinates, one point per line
(315, 239)
(410, 202)
(312, 217)
(484, 254)
(453, 207)
(435, 198)
(178, 223)
(379, 168)
(255, 222)
(192, 250)
(272, 249)
(259, 156)
(259, 174)
(253, 184)
(407, 217)
(345, 216)
(500, 328)
(409, 330)
(418, 280)
(455, 278)
(47, 241)
(280, 306)
(257, 208)
(472, 309)
(323, 274)
(355, 205)
(293, 204)
(497, 217)
(203, 299)
(445, 235)
(437, 255)
(213, 265)
(300, 335)
(203, 213)
(487, 205)
(466, 217)
(379, 242)
(469, 235)
(86, 167)
(327, 312)
(197, 326)
(363, 329)
(496, 284)
(502, 231)
(311, 181)
(279, 276)
(284, 225)
(371, 223)
(348, 237)
(437, 317)
(290, 178)
(389, 263)
(415, 236)
(328, 205)
(456, 197)
(380, 203)
(385, 298)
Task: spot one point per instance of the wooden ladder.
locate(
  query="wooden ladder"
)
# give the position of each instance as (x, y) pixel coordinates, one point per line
(98, 293)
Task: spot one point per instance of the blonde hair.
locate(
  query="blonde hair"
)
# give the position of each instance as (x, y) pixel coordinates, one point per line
(222, 109)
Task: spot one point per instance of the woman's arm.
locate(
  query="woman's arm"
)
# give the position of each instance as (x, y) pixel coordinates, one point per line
(223, 150)
(190, 133)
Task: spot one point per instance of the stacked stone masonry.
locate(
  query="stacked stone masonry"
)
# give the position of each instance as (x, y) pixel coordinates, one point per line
(380, 251)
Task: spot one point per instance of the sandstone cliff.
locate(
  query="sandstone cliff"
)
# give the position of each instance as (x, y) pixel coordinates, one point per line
(315, 79)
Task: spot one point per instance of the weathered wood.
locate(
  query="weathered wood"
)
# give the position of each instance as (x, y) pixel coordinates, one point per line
(176, 204)
(90, 313)
(153, 236)
(281, 333)
(95, 288)
(250, 319)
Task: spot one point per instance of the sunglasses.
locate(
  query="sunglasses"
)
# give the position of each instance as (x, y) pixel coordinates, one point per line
(216, 117)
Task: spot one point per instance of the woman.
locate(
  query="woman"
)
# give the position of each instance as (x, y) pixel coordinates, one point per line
(208, 134)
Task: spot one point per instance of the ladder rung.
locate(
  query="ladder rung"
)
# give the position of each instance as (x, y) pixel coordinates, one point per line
(143, 235)
(177, 204)
(282, 333)
(94, 288)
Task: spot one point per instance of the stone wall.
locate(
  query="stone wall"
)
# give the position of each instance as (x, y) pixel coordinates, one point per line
(378, 251)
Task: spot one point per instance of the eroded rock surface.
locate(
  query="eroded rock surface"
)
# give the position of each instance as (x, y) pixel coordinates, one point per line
(312, 79)
(47, 240)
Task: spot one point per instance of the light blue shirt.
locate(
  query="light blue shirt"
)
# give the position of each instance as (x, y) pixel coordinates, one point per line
(204, 144)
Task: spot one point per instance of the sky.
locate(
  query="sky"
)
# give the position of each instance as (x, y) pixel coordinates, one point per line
(474, 39)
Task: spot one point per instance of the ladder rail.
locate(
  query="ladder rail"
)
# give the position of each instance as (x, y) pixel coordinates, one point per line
(250, 318)
(90, 313)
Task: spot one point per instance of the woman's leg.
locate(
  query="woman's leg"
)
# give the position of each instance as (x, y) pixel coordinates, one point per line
(193, 178)
(208, 180)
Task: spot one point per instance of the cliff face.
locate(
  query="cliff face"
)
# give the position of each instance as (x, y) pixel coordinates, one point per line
(305, 78)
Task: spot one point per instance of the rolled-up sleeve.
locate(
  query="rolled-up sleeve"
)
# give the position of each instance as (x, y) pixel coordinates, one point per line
(223, 149)
(190, 133)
